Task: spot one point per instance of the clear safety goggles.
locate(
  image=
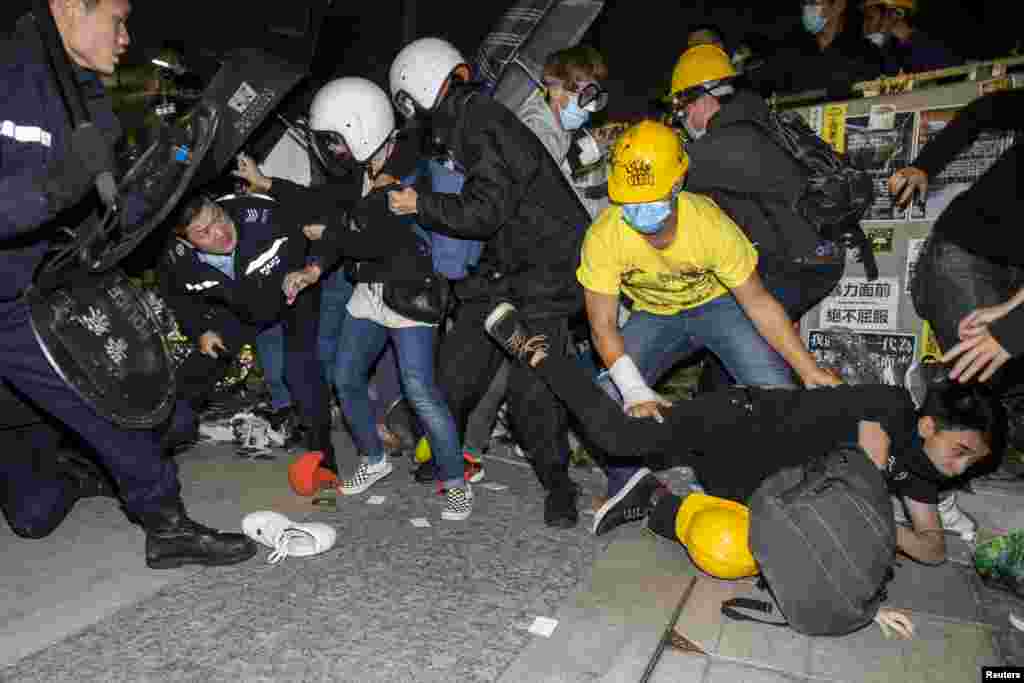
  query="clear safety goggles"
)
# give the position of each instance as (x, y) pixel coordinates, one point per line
(592, 97)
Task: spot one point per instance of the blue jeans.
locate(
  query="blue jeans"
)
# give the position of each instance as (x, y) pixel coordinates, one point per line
(270, 351)
(337, 290)
(657, 342)
(361, 344)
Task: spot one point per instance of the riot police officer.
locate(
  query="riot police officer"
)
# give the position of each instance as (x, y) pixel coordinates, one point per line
(46, 175)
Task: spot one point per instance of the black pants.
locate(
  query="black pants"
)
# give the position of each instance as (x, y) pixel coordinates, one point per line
(199, 374)
(713, 433)
(469, 360)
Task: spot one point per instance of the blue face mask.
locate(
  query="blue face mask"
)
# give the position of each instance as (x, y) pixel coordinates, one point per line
(647, 218)
(572, 115)
(814, 19)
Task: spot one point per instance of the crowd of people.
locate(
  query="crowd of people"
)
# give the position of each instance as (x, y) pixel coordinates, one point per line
(474, 243)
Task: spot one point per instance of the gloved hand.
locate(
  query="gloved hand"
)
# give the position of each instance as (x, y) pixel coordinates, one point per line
(86, 154)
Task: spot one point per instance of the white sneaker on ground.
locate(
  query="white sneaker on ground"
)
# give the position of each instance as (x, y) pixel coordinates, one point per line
(956, 520)
(458, 504)
(365, 476)
(288, 538)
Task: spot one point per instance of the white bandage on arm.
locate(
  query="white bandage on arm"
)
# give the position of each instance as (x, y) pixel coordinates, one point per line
(630, 383)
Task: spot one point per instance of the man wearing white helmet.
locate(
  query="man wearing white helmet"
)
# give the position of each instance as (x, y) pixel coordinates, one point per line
(516, 199)
(352, 128)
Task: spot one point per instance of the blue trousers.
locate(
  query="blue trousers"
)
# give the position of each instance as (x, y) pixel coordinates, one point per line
(362, 342)
(34, 499)
(270, 351)
(384, 385)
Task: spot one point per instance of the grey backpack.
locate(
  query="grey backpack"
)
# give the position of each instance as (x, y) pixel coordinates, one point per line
(825, 540)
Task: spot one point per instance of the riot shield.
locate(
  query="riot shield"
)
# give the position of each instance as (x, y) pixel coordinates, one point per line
(104, 341)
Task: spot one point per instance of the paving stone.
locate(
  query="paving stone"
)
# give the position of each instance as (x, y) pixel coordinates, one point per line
(701, 618)
(722, 671)
(942, 590)
(772, 646)
(680, 667)
(940, 652)
(612, 626)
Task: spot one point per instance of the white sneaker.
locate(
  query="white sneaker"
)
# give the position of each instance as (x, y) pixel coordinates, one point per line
(286, 537)
(956, 520)
(458, 504)
(365, 476)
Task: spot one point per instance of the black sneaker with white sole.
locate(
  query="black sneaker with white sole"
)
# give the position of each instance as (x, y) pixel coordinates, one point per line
(631, 504)
(505, 327)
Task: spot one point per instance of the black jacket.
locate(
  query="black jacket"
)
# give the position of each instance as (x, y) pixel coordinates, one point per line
(986, 219)
(753, 179)
(799, 64)
(516, 199)
(374, 244)
(270, 245)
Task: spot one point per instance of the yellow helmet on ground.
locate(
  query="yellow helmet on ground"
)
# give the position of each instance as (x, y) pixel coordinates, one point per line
(716, 533)
(908, 5)
(647, 162)
(700, 65)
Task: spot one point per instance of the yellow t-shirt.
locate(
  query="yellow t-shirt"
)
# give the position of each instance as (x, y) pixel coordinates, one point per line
(709, 256)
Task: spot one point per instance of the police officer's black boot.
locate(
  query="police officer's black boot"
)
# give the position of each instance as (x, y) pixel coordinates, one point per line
(174, 540)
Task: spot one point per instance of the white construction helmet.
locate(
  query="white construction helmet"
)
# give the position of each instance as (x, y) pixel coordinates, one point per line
(354, 109)
(419, 71)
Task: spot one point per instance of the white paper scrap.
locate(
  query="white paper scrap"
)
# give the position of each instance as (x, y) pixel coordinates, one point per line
(543, 626)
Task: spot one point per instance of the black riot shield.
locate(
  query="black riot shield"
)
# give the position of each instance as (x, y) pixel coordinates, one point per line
(104, 341)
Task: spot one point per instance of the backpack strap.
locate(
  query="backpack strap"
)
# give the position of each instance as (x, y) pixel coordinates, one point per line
(730, 608)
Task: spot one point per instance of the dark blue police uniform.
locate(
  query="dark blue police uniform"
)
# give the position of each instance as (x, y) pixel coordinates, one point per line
(33, 129)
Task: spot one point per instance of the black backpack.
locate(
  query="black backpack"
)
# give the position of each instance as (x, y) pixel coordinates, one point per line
(824, 538)
(837, 193)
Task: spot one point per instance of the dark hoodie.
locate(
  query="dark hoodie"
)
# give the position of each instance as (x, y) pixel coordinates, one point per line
(753, 179)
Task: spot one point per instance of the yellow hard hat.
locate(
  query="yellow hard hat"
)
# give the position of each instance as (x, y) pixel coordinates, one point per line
(699, 65)
(716, 533)
(647, 162)
(909, 5)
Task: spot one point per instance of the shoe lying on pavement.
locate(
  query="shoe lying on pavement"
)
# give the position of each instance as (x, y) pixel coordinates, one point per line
(632, 503)
(365, 476)
(288, 538)
(458, 504)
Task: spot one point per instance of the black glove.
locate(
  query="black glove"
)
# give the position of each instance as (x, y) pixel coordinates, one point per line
(86, 154)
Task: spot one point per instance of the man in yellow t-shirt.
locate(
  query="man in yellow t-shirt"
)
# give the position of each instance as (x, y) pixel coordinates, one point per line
(691, 274)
